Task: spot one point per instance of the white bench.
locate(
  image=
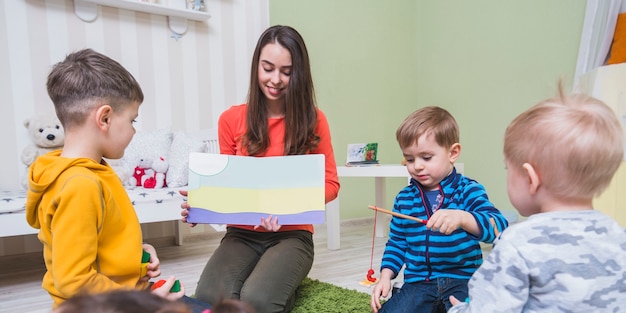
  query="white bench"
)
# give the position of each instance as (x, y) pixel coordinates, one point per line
(151, 205)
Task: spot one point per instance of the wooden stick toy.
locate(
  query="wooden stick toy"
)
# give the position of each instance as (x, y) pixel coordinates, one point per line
(495, 227)
(419, 220)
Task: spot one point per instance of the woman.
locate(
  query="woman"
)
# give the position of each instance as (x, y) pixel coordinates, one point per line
(263, 265)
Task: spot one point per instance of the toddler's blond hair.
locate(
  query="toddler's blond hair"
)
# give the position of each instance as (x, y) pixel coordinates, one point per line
(574, 142)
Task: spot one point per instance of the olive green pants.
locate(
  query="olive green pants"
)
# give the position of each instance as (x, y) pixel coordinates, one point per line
(262, 269)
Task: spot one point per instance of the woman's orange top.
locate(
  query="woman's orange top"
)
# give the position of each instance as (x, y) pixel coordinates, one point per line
(232, 127)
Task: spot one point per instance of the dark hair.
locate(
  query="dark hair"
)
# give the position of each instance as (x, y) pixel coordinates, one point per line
(85, 79)
(300, 105)
(121, 301)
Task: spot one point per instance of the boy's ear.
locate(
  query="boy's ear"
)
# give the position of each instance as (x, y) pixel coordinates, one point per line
(533, 178)
(103, 116)
(454, 152)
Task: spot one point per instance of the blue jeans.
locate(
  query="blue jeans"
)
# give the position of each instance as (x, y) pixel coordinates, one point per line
(195, 305)
(426, 296)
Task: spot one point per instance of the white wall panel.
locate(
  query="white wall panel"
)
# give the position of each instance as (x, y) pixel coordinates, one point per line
(187, 82)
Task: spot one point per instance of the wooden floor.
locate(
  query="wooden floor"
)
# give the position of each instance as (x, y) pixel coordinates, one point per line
(20, 276)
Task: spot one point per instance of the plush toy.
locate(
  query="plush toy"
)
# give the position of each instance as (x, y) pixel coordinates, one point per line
(122, 169)
(159, 166)
(142, 172)
(46, 134)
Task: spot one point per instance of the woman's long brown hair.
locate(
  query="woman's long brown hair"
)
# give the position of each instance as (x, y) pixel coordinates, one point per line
(300, 104)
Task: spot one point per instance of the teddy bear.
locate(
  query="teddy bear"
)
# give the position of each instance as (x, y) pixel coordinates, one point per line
(158, 180)
(142, 172)
(122, 168)
(46, 134)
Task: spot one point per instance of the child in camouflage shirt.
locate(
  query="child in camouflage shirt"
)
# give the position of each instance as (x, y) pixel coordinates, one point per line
(566, 257)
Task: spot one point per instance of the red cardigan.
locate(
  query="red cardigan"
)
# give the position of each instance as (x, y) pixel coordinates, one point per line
(232, 126)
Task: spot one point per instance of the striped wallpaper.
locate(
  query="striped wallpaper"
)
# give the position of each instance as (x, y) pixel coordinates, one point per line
(187, 82)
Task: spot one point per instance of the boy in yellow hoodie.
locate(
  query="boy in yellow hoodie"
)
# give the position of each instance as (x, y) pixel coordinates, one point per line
(91, 236)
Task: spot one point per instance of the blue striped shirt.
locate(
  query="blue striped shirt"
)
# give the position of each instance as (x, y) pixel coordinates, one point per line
(430, 254)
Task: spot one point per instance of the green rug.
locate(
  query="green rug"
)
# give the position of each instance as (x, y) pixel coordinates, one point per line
(315, 296)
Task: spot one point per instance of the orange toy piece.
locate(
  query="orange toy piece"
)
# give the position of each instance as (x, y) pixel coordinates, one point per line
(159, 283)
(369, 279)
(369, 276)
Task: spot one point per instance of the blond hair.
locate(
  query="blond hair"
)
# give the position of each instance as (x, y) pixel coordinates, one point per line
(574, 142)
(431, 119)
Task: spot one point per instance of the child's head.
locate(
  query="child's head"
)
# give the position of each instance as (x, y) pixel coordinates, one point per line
(429, 139)
(121, 301)
(573, 142)
(433, 120)
(86, 80)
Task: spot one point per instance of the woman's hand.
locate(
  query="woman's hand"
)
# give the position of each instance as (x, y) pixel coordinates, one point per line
(185, 206)
(269, 223)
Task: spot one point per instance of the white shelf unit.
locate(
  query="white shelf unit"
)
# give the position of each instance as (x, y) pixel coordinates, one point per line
(87, 10)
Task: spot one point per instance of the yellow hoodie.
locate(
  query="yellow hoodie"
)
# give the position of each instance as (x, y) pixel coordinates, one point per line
(89, 229)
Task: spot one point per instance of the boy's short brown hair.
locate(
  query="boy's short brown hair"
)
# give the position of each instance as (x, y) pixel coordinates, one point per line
(575, 143)
(86, 79)
(431, 119)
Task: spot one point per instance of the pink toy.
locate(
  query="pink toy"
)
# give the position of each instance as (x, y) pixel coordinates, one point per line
(142, 172)
(138, 174)
(157, 180)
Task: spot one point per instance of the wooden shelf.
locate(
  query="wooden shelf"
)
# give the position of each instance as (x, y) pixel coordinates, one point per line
(87, 10)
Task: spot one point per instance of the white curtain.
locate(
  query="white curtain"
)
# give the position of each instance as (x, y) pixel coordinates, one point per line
(597, 34)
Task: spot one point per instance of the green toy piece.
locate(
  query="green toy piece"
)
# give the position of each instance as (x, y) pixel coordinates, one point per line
(145, 257)
(176, 286)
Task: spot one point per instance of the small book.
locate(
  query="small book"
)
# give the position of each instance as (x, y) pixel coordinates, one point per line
(362, 154)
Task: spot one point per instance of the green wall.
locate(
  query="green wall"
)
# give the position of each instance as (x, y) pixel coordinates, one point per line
(485, 61)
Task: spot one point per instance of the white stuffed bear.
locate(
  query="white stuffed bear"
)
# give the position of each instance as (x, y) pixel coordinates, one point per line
(157, 181)
(142, 172)
(46, 133)
(122, 168)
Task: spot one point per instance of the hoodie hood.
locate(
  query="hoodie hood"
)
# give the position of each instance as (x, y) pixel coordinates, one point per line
(44, 173)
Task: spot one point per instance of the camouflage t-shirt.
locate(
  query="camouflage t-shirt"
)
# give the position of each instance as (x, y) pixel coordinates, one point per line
(553, 262)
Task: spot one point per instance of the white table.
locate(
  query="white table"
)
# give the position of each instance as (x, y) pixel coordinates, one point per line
(380, 173)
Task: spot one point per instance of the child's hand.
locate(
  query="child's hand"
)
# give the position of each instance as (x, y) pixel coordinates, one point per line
(269, 223)
(447, 221)
(163, 291)
(381, 289)
(154, 267)
(185, 206)
(454, 300)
